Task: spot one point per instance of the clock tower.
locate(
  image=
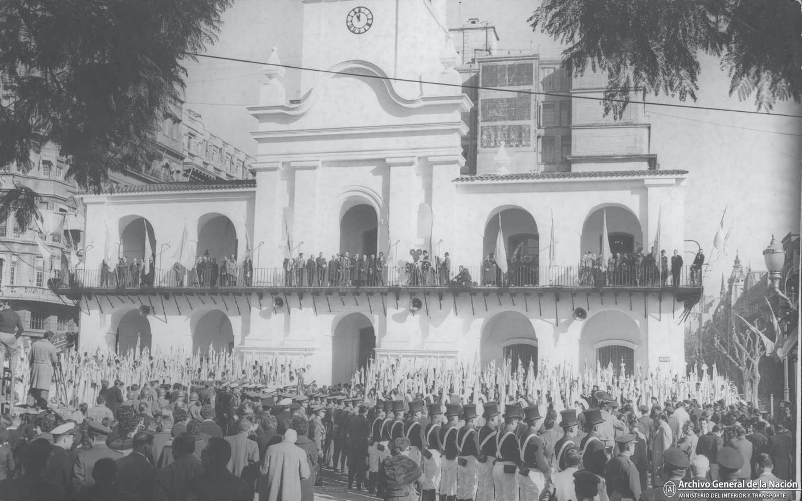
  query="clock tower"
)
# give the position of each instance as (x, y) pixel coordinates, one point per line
(405, 38)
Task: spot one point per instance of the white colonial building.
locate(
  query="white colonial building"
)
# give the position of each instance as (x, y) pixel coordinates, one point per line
(369, 161)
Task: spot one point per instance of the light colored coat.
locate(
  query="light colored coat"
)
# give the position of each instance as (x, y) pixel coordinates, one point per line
(244, 451)
(43, 357)
(284, 467)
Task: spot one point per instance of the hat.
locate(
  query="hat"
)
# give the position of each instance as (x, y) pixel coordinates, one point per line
(295, 406)
(96, 427)
(625, 439)
(416, 406)
(675, 458)
(729, 458)
(468, 411)
(532, 413)
(318, 408)
(593, 417)
(568, 418)
(64, 429)
(388, 406)
(513, 411)
(104, 382)
(603, 396)
(379, 404)
(398, 406)
(643, 408)
(435, 409)
(586, 478)
(285, 401)
(454, 410)
(193, 397)
(268, 402)
(301, 398)
(491, 409)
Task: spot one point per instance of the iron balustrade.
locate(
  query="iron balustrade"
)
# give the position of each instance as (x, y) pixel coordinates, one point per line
(411, 275)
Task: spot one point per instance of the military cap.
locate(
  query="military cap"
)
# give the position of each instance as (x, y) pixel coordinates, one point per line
(416, 406)
(513, 411)
(586, 478)
(317, 408)
(568, 418)
(603, 396)
(491, 409)
(398, 406)
(300, 398)
(64, 429)
(435, 409)
(643, 408)
(295, 406)
(729, 458)
(625, 439)
(96, 427)
(675, 458)
(268, 402)
(468, 411)
(339, 398)
(285, 401)
(532, 413)
(593, 417)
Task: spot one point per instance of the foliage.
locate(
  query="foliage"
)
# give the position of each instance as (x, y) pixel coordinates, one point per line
(95, 77)
(23, 202)
(654, 45)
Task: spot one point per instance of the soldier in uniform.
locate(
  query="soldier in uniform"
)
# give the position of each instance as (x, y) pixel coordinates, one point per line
(86, 459)
(487, 452)
(62, 458)
(505, 481)
(534, 469)
(467, 463)
(397, 427)
(620, 474)
(586, 486)
(373, 448)
(430, 483)
(414, 432)
(448, 463)
(569, 424)
(594, 456)
(675, 462)
(226, 409)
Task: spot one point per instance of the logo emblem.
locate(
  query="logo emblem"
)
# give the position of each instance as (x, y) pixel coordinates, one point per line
(670, 489)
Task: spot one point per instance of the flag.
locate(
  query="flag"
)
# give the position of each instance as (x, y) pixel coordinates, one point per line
(605, 250)
(552, 250)
(718, 240)
(183, 252)
(247, 243)
(289, 242)
(656, 244)
(43, 249)
(148, 250)
(501, 252)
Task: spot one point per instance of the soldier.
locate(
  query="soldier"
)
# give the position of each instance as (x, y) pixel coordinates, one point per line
(594, 457)
(448, 462)
(322, 266)
(432, 458)
(86, 459)
(397, 426)
(533, 469)
(62, 457)
(569, 424)
(586, 486)
(414, 432)
(375, 443)
(620, 474)
(675, 462)
(505, 481)
(467, 463)
(487, 452)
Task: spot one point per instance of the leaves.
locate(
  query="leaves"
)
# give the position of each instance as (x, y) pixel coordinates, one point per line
(23, 203)
(95, 77)
(654, 45)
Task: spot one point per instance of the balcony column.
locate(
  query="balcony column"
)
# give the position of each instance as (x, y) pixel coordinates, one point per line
(306, 220)
(268, 225)
(405, 196)
(445, 169)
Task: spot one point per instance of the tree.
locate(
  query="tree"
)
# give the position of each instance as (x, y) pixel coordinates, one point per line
(23, 202)
(94, 76)
(654, 45)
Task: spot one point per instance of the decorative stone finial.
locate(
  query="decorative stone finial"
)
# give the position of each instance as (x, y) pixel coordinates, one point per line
(450, 76)
(273, 91)
(502, 160)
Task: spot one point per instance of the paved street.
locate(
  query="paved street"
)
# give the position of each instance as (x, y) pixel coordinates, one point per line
(335, 487)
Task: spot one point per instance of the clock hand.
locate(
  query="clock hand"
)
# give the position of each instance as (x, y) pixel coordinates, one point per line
(358, 17)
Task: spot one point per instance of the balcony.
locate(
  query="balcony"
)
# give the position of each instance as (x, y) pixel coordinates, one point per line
(30, 293)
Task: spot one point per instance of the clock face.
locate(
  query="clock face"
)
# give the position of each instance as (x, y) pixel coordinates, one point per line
(359, 20)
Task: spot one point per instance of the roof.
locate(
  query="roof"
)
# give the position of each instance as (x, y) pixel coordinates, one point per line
(532, 176)
(240, 184)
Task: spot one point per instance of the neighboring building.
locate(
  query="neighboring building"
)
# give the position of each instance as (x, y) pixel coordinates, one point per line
(207, 158)
(475, 39)
(364, 164)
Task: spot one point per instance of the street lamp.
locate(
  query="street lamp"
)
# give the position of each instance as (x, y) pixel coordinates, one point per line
(774, 256)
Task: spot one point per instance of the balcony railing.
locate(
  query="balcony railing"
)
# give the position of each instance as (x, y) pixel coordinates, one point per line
(404, 276)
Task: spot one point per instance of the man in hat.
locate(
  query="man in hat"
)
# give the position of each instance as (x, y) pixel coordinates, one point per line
(357, 441)
(620, 474)
(226, 410)
(44, 362)
(86, 459)
(467, 462)
(432, 457)
(533, 469)
(586, 486)
(610, 426)
(675, 462)
(487, 452)
(448, 462)
(646, 423)
(397, 427)
(505, 480)
(283, 415)
(594, 456)
(414, 431)
(373, 446)
(62, 458)
(570, 425)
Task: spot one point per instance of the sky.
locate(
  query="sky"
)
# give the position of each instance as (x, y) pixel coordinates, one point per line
(750, 164)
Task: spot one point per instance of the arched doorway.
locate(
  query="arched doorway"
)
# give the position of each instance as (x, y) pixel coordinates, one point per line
(217, 237)
(522, 245)
(353, 344)
(133, 230)
(509, 335)
(212, 329)
(623, 231)
(132, 331)
(359, 230)
(612, 337)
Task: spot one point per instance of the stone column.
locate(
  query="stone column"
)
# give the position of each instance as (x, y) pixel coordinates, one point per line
(268, 244)
(305, 208)
(445, 219)
(403, 205)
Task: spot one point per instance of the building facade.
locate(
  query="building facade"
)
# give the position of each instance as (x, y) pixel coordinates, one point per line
(369, 161)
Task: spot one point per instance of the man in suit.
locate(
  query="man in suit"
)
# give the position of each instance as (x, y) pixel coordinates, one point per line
(646, 423)
(620, 474)
(115, 396)
(781, 446)
(244, 452)
(170, 483)
(322, 266)
(765, 478)
(135, 473)
(740, 443)
(86, 459)
(675, 462)
(300, 270)
(357, 442)
(676, 268)
(208, 425)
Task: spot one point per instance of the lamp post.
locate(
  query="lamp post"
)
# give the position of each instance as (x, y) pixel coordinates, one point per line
(774, 256)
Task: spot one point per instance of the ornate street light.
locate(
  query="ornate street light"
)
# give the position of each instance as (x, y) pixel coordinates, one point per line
(774, 256)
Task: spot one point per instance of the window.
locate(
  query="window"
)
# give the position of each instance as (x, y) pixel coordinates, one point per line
(65, 324)
(47, 167)
(38, 320)
(514, 136)
(616, 355)
(565, 114)
(549, 116)
(59, 172)
(17, 231)
(548, 150)
(3, 227)
(40, 272)
(503, 109)
(12, 271)
(565, 148)
(523, 354)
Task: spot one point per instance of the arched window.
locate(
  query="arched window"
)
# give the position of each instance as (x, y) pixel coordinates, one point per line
(616, 355)
(523, 353)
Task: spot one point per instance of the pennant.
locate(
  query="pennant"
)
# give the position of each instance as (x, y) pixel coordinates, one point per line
(501, 252)
(656, 244)
(605, 250)
(289, 242)
(148, 250)
(552, 250)
(183, 252)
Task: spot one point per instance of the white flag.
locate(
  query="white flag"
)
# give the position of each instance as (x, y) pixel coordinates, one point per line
(148, 250)
(605, 250)
(183, 251)
(501, 251)
(44, 250)
(656, 245)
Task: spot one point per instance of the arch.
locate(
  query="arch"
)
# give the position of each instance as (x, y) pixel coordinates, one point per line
(217, 236)
(521, 241)
(610, 329)
(133, 229)
(623, 230)
(132, 330)
(359, 230)
(353, 344)
(211, 329)
(509, 334)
